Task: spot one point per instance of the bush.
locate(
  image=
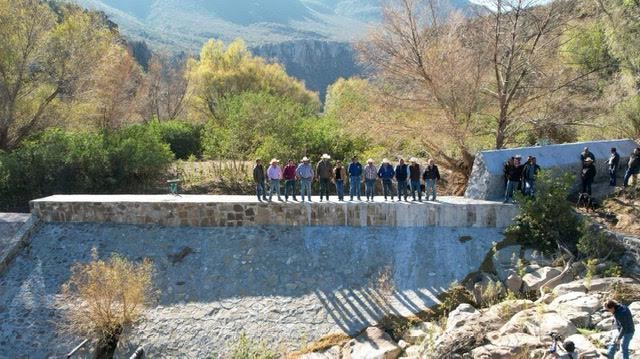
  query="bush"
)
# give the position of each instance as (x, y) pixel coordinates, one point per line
(105, 296)
(183, 138)
(548, 219)
(246, 348)
(64, 162)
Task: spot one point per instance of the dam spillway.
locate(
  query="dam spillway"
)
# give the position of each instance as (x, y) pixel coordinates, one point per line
(274, 278)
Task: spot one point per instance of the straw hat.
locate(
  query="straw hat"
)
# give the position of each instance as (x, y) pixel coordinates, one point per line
(274, 161)
(305, 159)
(413, 159)
(588, 159)
(326, 157)
(370, 160)
(384, 160)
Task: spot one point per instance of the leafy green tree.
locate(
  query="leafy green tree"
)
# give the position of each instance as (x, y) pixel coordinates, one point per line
(42, 58)
(221, 73)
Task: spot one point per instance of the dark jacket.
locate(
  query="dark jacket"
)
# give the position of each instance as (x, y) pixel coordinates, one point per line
(414, 172)
(624, 320)
(614, 160)
(634, 161)
(324, 169)
(386, 171)
(401, 172)
(431, 172)
(588, 172)
(526, 175)
(513, 172)
(355, 169)
(258, 174)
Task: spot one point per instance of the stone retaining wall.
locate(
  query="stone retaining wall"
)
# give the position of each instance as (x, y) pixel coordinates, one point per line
(206, 211)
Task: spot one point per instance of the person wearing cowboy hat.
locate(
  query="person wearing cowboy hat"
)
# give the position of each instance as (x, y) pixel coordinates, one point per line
(289, 175)
(275, 175)
(370, 176)
(305, 174)
(259, 177)
(401, 173)
(414, 178)
(587, 175)
(431, 175)
(386, 173)
(355, 178)
(324, 172)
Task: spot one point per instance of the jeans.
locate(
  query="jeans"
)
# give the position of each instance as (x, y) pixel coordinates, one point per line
(529, 187)
(430, 187)
(305, 187)
(354, 187)
(630, 172)
(290, 189)
(624, 347)
(261, 191)
(340, 189)
(586, 186)
(369, 187)
(613, 176)
(511, 186)
(415, 186)
(324, 187)
(275, 187)
(402, 189)
(386, 188)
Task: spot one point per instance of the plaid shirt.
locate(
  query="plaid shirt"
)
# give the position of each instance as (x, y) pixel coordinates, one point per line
(370, 172)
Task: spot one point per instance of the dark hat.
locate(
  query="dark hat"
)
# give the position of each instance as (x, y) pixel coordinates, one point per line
(569, 346)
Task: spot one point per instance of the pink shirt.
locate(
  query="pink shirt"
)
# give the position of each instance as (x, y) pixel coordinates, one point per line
(274, 172)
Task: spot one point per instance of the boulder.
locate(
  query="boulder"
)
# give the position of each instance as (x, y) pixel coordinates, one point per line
(501, 312)
(373, 343)
(605, 324)
(583, 346)
(537, 323)
(635, 310)
(577, 307)
(459, 316)
(506, 346)
(596, 285)
(505, 261)
(331, 353)
(534, 256)
(414, 336)
(535, 279)
(514, 282)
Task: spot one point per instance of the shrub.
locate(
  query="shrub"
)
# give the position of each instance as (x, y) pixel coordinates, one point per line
(246, 348)
(183, 138)
(106, 296)
(548, 219)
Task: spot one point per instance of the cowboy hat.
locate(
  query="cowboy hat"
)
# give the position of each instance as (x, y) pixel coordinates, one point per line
(326, 157)
(588, 159)
(413, 159)
(384, 160)
(370, 160)
(274, 161)
(305, 159)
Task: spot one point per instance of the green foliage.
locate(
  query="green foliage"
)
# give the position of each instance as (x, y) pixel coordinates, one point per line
(548, 219)
(452, 298)
(65, 162)
(184, 138)
(246, 348)
(587, 47)
(594, 244)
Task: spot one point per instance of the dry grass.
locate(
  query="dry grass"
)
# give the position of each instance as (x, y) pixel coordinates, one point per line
(323, 343)
(105, 296)
(224, 176)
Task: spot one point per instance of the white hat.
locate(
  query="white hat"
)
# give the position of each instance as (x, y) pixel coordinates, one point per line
(588, 159)
(370, 160)
(517, 156)
(384, 160)
(413, 159)
(274, 161)
(305, 159)
(326, 157)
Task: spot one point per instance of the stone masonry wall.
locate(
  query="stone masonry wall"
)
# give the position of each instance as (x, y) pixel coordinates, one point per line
(207, 211)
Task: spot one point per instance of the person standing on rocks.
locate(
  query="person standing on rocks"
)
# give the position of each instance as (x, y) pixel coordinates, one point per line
(386, 173)
(529, 174)
(370, 177)
(274, 172)
(259, 178)
(414, 177)
(587, 175)
(289, 175)
(339, 176)
(402, 172)
(324, 171)
(513, 172)
(626, 328)
(632, 167)
(305, 174)
(614, 161)
(355, 178)
(430, 176)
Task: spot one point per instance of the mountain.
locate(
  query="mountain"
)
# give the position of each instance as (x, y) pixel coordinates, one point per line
(310, 37)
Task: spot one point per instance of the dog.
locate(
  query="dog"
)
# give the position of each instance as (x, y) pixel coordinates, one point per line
(587, 202)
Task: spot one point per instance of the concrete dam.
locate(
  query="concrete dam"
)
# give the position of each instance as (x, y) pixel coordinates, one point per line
(285, 273)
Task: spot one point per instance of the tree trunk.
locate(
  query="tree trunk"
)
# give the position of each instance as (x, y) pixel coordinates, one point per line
(106, 347)
(4, 138)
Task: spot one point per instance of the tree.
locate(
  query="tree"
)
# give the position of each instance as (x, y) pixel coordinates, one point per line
(167, 87)
(42, 58)
(224, 72)
(423, 58)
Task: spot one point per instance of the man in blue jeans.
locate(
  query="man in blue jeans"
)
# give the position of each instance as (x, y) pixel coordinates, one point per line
(414, 177)
(624, 322)
(370, 177)
(386, 173)
(305, 173)
(259, 176)
(402, 172)
(355, 178)
(324, 172)
(431, 175)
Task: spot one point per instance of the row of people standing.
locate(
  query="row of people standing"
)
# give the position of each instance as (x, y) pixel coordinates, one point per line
(408, 178)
